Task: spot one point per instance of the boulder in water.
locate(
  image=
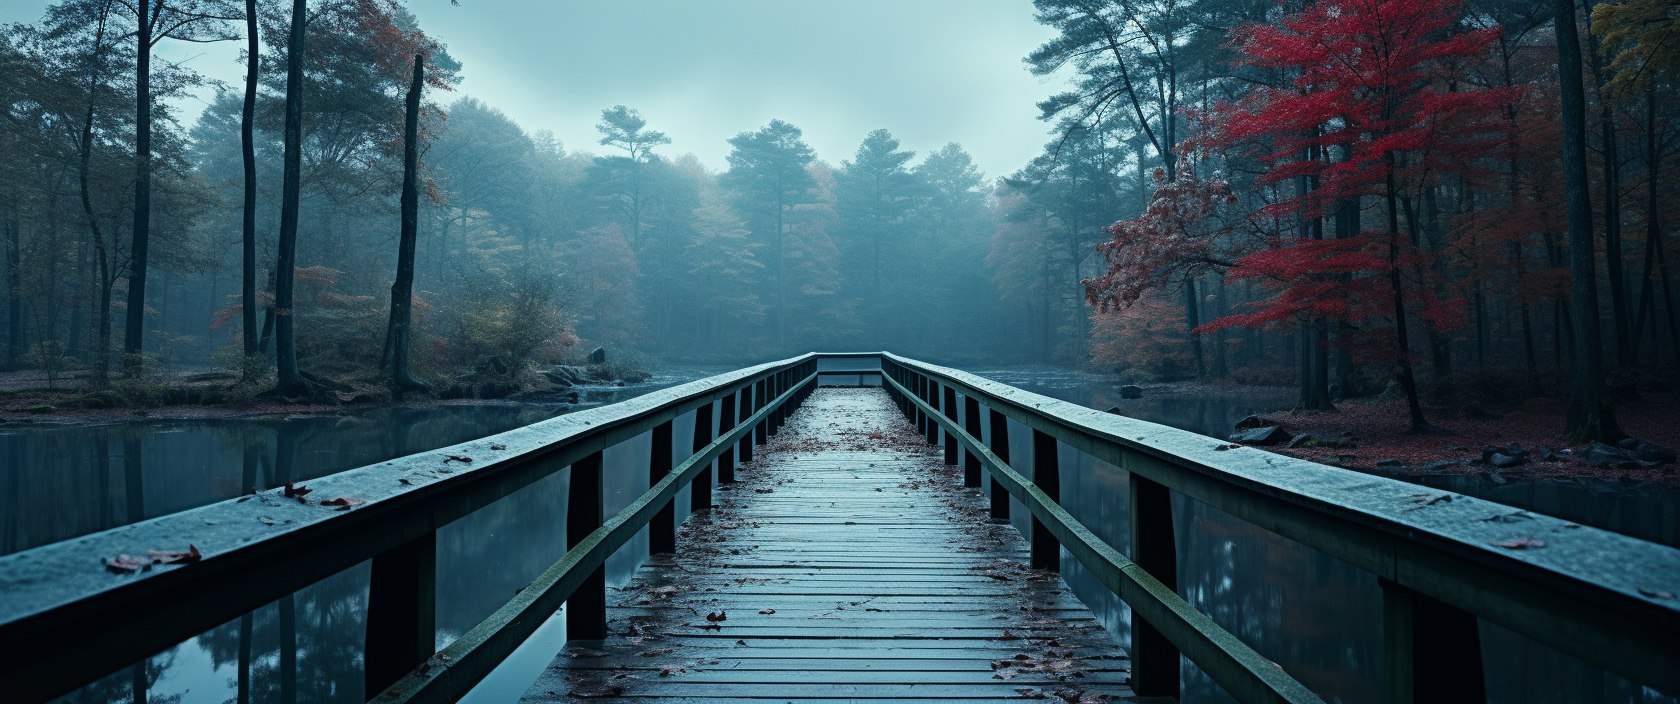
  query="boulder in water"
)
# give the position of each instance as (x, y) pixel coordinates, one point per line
(598, 355)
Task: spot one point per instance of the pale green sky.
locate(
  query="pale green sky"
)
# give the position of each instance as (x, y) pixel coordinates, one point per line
(931, 71)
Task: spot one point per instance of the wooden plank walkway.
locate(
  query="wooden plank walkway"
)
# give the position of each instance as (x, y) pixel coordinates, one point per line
(848, 564)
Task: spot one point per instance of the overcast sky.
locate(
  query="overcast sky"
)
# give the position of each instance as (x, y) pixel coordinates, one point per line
(931, 71)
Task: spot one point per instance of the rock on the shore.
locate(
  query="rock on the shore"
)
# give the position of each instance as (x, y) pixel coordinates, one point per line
(1605, 456)
(1390, 463)
(1269, 435)
(1131, 391)
(1251, 423)
(598, 355)
(1645, 451)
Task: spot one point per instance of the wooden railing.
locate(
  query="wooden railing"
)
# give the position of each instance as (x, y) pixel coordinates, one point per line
(1601, 597)
(65, 621)
(1443, 560)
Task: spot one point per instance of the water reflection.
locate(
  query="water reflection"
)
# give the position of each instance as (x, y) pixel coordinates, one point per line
(1318, 617)
(64, 482)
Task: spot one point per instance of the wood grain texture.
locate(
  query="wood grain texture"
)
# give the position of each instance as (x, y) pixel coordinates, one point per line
(848, 564)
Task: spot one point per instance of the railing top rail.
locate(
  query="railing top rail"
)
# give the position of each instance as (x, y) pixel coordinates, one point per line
(259, 547)
(1599, 595)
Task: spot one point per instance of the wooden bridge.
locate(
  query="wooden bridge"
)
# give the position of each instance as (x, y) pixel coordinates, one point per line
(839, 551)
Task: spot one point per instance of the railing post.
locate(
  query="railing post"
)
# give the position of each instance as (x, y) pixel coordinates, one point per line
(778, 387)
(761, 434)
(1154, 658)
(700, 491)
(726, 421)
(949, 404)
(662, 529)
(1047, 476)
(1432, 652)
(402, 612)
(748, 406)
(971, 423)
(1000, 447)
(586, 608)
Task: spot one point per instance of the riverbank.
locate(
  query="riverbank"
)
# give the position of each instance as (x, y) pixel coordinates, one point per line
(1379, 440)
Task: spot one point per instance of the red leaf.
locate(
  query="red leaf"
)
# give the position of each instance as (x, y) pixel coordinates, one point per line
(1521, 543)
(127, 564)
(344, 503)
(164, 557)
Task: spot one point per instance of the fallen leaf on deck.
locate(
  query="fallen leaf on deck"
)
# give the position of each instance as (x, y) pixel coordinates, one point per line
(719, 616)
(1520, 543)
(1656, 593)
(668, 670)
(166, 557)
(655, 652)
(457, 458)
(498, 447)
(599, 692)
(127, 564)
(344, 503)
(767, 611)
(297, 491)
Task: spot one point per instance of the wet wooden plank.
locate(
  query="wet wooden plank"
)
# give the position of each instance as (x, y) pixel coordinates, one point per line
(848, 564)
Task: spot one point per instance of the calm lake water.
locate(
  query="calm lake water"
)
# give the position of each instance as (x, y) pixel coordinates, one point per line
(1318, 617)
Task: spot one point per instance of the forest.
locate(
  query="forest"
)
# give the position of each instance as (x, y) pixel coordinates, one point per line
(1348, 196)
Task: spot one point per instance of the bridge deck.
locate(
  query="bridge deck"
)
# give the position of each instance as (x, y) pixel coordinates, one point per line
(847, 563)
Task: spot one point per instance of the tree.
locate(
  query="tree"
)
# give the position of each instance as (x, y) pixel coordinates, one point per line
(289, 381)
(397, 336)
(768, 177)
(875, 192)
(624, 176)
(1588, 417)
(248, 154)
(155, 21)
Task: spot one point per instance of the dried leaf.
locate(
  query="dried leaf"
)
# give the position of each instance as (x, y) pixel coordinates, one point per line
(498, 447)
(297, 491)
(655, 652)
(166, 557)
(1520, 543)
(127, 564)
(344, 503)
(719, 616)
(767, 611)
(463, 459)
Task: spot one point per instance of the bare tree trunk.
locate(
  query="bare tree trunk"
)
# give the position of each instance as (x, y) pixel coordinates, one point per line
(290, 381)
(1612, 207)
(1588, 416)
(134, 334)
(1401, 341)
(247, 143)
(397, 337)
(1193, 320)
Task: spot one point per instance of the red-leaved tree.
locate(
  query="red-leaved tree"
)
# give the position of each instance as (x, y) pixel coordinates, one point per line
(1372, 108)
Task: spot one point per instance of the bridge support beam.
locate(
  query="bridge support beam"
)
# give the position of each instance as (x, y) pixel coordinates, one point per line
(749, 405)
(949, 405)
(1000, 447)
(1432, 652)
(971, 423)
(761, 434)
(700, 491)
(586, 609)
(402, 612)
(726, 422)
(662, 529)
(1047, 476)
(1155, 660)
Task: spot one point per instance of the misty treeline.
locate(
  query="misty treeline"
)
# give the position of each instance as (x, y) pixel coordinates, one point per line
(525, 250)
(1175, 151)
(1349, 194)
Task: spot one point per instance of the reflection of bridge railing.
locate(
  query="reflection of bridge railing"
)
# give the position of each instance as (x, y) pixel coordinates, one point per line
(1599, 596)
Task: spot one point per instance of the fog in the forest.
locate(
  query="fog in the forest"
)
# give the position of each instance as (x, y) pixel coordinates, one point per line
(728, 182)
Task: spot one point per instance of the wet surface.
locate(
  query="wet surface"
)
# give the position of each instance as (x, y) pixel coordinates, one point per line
(848, 562)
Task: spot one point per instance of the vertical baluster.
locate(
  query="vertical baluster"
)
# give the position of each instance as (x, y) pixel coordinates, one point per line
(971, 424)
(726, 421)
(776, 415)
(402, 611)
(1154, 659)
(949, 404)
(662, 529)
(761, 434)
(1046, 552)
(921, 418)
(586, 609)
(1000, 447)
(1432, 651)
(749, 401)
(700, 491)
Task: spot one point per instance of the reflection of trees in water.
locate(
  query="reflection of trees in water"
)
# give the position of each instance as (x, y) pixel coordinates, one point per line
(1318, 617)
(486, 557)
(324, 624)
(130, 684)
